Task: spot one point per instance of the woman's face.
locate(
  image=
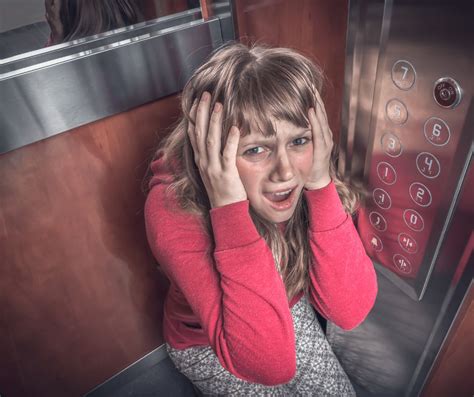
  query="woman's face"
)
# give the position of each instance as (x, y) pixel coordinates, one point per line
(274, 169)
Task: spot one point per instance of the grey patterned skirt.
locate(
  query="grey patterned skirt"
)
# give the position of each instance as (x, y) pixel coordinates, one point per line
(318, 372)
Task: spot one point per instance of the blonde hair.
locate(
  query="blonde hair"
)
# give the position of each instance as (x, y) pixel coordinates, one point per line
(254, 85)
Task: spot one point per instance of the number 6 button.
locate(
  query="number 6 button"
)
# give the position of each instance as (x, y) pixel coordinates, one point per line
(437, 131)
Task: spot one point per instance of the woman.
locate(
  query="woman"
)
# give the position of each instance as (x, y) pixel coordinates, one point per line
(73, 19)
(250, 223)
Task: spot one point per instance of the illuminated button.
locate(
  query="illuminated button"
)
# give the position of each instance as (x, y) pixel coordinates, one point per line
(382, 199)
(403, 74)
(378, 221)
(428, 165)
(402, 263)
(396, 111)
(408, 243)
(437, 131)
(375, 242)
(420, 194)
(447, 92)
(386, 173)
(413, 220)
(391, 144)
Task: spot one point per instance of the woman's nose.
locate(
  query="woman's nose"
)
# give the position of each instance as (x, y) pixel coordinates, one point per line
(282, 168)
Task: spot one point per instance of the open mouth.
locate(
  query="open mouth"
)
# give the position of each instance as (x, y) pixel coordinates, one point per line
(281, 200)
(278, 197)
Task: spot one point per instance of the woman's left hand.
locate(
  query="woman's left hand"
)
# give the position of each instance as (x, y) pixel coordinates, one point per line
(319, 176)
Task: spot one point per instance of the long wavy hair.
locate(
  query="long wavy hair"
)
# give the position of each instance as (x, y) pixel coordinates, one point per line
(254, 84)
(82, 18)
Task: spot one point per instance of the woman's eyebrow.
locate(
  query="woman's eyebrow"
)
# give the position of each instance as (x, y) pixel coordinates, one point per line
(261, 140)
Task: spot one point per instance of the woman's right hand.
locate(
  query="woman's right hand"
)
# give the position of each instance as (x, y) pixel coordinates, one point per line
(218, 171)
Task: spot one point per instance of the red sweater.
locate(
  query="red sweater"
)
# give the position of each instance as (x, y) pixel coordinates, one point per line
(229, 284)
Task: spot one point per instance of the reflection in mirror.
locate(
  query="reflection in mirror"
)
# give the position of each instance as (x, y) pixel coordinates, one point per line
(27, 25)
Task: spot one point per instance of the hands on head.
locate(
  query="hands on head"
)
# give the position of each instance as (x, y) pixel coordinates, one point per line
(218, 171)
(218, 168)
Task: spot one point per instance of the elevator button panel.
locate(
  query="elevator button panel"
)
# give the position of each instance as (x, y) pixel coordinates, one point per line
(413, 146)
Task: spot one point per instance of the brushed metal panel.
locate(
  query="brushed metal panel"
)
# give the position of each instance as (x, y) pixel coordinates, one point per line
(102, 39)
(391, 353)
(64, 93)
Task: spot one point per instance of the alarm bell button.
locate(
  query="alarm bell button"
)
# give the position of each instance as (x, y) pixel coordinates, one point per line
(447, 92)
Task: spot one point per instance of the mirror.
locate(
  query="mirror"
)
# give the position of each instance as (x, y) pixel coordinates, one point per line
(28, 25)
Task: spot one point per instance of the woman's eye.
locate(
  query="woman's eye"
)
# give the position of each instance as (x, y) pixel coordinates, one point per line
(300, 141)
(253, 151)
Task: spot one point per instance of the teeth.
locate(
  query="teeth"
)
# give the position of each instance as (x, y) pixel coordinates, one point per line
(283, 193)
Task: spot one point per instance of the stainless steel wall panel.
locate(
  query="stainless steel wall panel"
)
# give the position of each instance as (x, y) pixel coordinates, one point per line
(53, 97)
(391, 353)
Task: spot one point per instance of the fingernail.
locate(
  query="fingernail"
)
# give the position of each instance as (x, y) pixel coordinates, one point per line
(217, 107)
(205, 96)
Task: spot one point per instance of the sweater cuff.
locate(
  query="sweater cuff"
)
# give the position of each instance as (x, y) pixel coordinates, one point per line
(326, 211)
(232, 226)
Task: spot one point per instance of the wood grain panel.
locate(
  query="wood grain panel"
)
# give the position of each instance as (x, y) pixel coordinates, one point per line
(316, 28)
(80, 294)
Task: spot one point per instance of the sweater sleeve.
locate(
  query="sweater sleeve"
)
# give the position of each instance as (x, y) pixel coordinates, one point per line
(343, 283)
(231, 284)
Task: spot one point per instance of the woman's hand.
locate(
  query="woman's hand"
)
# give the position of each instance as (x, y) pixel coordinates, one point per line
(218, 172)
(322, 147)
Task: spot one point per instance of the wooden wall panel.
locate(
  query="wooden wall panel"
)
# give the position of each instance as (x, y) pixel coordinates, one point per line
(80, 295)
(316, 28)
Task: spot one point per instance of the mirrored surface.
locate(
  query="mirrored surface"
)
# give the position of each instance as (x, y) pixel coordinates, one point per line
(29, 25)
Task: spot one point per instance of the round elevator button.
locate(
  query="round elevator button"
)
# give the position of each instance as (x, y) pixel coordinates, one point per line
(403, 74)
(396, 111)
(447, 92)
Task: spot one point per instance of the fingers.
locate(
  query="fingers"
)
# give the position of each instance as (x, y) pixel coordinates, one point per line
(321, 132)
(190, 131)
(229, 155)
(205, 133)
(202, 125)
(213, 141)
(321, 104)
(323, 121)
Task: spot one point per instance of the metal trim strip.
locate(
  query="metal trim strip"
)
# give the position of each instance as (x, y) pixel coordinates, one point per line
(65, 93)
